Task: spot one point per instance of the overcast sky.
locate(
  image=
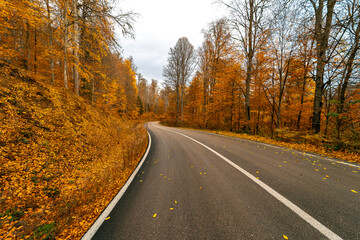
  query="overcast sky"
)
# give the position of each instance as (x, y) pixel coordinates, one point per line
(160, 25)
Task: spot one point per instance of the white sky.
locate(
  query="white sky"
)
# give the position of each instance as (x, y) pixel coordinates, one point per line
(160, 25)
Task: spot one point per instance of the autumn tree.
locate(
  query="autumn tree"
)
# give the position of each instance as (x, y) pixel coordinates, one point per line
(247, 19)
(345, 63)
(324, 12)
(218, 64)
(180, 66)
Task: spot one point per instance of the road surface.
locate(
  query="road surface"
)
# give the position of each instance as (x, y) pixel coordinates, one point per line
(197, 185)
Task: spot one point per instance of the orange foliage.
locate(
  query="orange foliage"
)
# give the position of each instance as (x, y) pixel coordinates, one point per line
(61, 160)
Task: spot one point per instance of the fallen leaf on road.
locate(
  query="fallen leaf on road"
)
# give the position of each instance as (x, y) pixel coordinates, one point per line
(354, 191)
(154, 215)
(285, 237)
(107, 218)
(175, 202)
(171, 209)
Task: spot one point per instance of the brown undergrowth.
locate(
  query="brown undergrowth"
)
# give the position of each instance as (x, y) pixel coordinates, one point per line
(61, 160)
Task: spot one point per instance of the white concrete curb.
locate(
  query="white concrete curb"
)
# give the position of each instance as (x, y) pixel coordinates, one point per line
(99, 221)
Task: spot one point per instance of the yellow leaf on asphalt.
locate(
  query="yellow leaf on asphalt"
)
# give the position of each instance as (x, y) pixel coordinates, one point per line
(285, 237)
(257, 172)
(200, 187)
(280, 166)
(107, 218)
(327, 176)
(154, 215)
(175, 202)
(354, 191)
(171, 209)
(140, 180)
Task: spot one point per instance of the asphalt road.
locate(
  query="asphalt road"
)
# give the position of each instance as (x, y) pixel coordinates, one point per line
(225, 188)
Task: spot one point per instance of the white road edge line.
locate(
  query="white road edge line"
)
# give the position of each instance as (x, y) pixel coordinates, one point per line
(99, 221)
(293, 149)
(301, 213)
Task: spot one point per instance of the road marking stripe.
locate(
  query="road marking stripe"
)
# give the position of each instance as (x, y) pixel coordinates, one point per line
(312, 221)
(99, 221)
(282, 148)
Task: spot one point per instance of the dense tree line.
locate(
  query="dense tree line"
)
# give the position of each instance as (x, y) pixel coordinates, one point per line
(71, 44)
(269, 65)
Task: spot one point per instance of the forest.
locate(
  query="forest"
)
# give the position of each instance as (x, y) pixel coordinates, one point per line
(72, 106)
(70, 133)
(286, 69)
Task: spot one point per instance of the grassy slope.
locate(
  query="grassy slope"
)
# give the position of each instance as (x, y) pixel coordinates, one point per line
(61, 160)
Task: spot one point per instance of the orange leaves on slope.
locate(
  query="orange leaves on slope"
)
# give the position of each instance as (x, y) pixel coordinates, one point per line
(61, 160)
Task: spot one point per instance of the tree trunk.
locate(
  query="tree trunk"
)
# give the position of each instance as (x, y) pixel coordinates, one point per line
(65, 44)
(322, 34)
(76, 51)
(35, 53)
(177, 105)
(346, 78)
(28, 47)
(301, 103)
(52, 77)
(250, 55)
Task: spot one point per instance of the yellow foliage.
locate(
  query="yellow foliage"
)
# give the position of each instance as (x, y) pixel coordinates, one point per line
(61, 160)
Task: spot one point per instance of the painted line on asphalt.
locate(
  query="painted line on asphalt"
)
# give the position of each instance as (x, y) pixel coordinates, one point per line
(301, 213)
(282, 148)
(99, 221)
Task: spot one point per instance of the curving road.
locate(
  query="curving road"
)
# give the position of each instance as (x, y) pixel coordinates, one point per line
(196, 185)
